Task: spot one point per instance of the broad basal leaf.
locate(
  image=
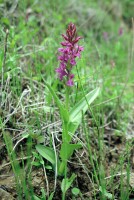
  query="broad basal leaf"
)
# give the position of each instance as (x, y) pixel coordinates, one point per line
(48, 154)
(81, 107)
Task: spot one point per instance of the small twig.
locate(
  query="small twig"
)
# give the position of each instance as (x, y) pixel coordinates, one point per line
(17, 143)
(46, 179)
(119, 174)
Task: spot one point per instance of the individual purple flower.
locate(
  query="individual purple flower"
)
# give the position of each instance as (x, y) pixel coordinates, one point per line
(70, 80)
(68, 54)
(105, 36)
(120, 31)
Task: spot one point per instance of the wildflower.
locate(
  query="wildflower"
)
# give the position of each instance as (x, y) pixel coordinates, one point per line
(68, 53)
(105, 36)
(120, 31)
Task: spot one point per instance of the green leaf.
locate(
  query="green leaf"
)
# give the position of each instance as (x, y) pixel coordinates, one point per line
(25, 135)
(105, 193)
(36, 198)
(48, 167)
(79, 108)
(43, 196)
(64, 113)
(40, 139)
(47, 153)
(5, 21)
(51, 196)
(67, 150)
(75, 191)
(36, 155)
(37, 164)
(66, 183)
(42, 161)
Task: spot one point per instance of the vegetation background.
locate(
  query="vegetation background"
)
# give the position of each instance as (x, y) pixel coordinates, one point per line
(30, 34)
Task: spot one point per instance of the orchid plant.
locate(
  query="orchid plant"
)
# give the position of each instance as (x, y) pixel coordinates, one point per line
(70, 117)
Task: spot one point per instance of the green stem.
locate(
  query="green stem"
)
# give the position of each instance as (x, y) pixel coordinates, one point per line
(63, 166)
(67, 97)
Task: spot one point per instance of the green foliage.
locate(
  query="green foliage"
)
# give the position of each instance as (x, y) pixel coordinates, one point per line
(67, 182)
(43, 196)
(80, 108)
(67, 150)
(70, 122)
(105, 193)
(48, 154)
(75, 191)
(63, 112)
(32, 109)
(20, 176)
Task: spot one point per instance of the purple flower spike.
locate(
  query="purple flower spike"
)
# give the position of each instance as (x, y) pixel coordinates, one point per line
(68, 54)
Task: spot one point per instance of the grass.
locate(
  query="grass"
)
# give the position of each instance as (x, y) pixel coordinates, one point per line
(97, 163)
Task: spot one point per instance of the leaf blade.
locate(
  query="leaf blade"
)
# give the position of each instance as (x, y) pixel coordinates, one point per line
(79, 108)
(47, 153)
